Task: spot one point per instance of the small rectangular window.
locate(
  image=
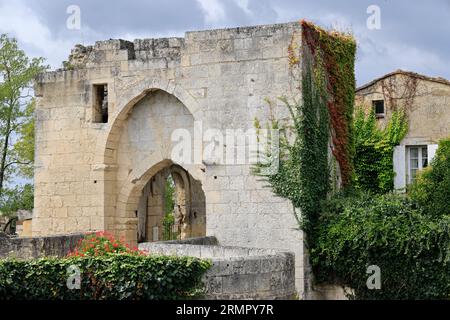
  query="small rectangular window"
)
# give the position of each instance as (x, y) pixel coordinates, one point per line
(378, 106)
(100, 108)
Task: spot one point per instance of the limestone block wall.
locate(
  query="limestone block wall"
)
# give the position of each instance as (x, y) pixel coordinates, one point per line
(90, 176)
(35, 247)
(237, 272)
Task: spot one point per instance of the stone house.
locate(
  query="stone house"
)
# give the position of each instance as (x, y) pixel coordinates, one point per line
(426, 101)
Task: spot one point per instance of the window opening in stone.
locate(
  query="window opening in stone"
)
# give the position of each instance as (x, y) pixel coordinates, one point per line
(100, 103)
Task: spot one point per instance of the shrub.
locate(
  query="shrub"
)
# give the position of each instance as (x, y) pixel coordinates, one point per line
(110, 276)
(411, 247)
(101, 243)
(432, 186)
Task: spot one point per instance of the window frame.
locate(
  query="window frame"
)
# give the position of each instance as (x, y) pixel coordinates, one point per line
(410, 177)
(374, 106)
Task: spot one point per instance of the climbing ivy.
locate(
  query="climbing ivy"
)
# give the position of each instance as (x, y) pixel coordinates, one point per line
(326, 109)
(375, 150)
(334, 55)
(349, 231)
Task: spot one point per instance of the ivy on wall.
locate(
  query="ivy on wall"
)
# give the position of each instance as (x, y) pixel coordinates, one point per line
(328, 85)
(406, 236)
(334, 56)
(375, 149)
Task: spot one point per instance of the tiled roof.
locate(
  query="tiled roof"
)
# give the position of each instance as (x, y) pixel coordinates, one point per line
(406, 73)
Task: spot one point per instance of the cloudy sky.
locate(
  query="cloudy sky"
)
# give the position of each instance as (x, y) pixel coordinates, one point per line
(414, 35)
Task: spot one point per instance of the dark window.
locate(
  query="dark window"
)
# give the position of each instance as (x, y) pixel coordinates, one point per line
(378, 106)
(100, 103)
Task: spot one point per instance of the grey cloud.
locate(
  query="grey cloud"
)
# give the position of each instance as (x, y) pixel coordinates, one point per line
(414, 34)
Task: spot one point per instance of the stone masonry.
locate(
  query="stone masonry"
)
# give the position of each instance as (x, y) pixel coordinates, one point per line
(236, 272)
(92, 168)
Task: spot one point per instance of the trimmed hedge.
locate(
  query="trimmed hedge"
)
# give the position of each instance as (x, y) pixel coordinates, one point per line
(107, 277)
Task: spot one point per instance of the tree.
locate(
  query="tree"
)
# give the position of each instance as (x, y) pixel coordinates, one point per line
(17, 73)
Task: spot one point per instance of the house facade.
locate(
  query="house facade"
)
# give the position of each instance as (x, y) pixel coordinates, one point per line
(426, 101)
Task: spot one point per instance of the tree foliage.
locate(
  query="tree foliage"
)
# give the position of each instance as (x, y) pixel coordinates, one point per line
(17, 73)
(17, 198)
(411, 247)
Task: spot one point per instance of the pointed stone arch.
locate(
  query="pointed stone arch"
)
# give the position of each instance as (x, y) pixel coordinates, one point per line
(128, 98)
(121, 204)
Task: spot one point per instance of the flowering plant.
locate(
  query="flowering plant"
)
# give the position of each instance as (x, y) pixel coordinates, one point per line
(102, 243)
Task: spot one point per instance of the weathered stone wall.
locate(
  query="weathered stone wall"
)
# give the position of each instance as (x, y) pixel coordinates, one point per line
(35, 247)
(208, 241)
(237, 272)
(89, 176)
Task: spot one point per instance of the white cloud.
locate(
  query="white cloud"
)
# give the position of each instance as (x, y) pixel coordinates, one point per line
(243, 4)
(213, 10)
(374, 60)
(22, 23)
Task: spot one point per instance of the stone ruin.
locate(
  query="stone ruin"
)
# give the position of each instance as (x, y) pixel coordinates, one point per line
(105, 133)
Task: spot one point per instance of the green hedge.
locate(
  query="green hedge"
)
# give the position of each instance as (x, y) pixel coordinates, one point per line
(411, 247)
(113, 276)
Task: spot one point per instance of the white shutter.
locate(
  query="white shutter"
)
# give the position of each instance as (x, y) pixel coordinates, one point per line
(400, 168)
(431, 151)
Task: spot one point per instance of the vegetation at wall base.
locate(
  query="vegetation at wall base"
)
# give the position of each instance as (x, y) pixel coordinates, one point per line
(406, 235)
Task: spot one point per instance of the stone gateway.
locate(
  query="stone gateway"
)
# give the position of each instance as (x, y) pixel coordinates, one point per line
(105, 138)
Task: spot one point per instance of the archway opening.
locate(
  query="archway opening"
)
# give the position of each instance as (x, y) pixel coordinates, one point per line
(171, 207)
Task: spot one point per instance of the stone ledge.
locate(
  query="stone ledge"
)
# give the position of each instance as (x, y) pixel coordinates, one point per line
(35, 247)
(236, 272)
